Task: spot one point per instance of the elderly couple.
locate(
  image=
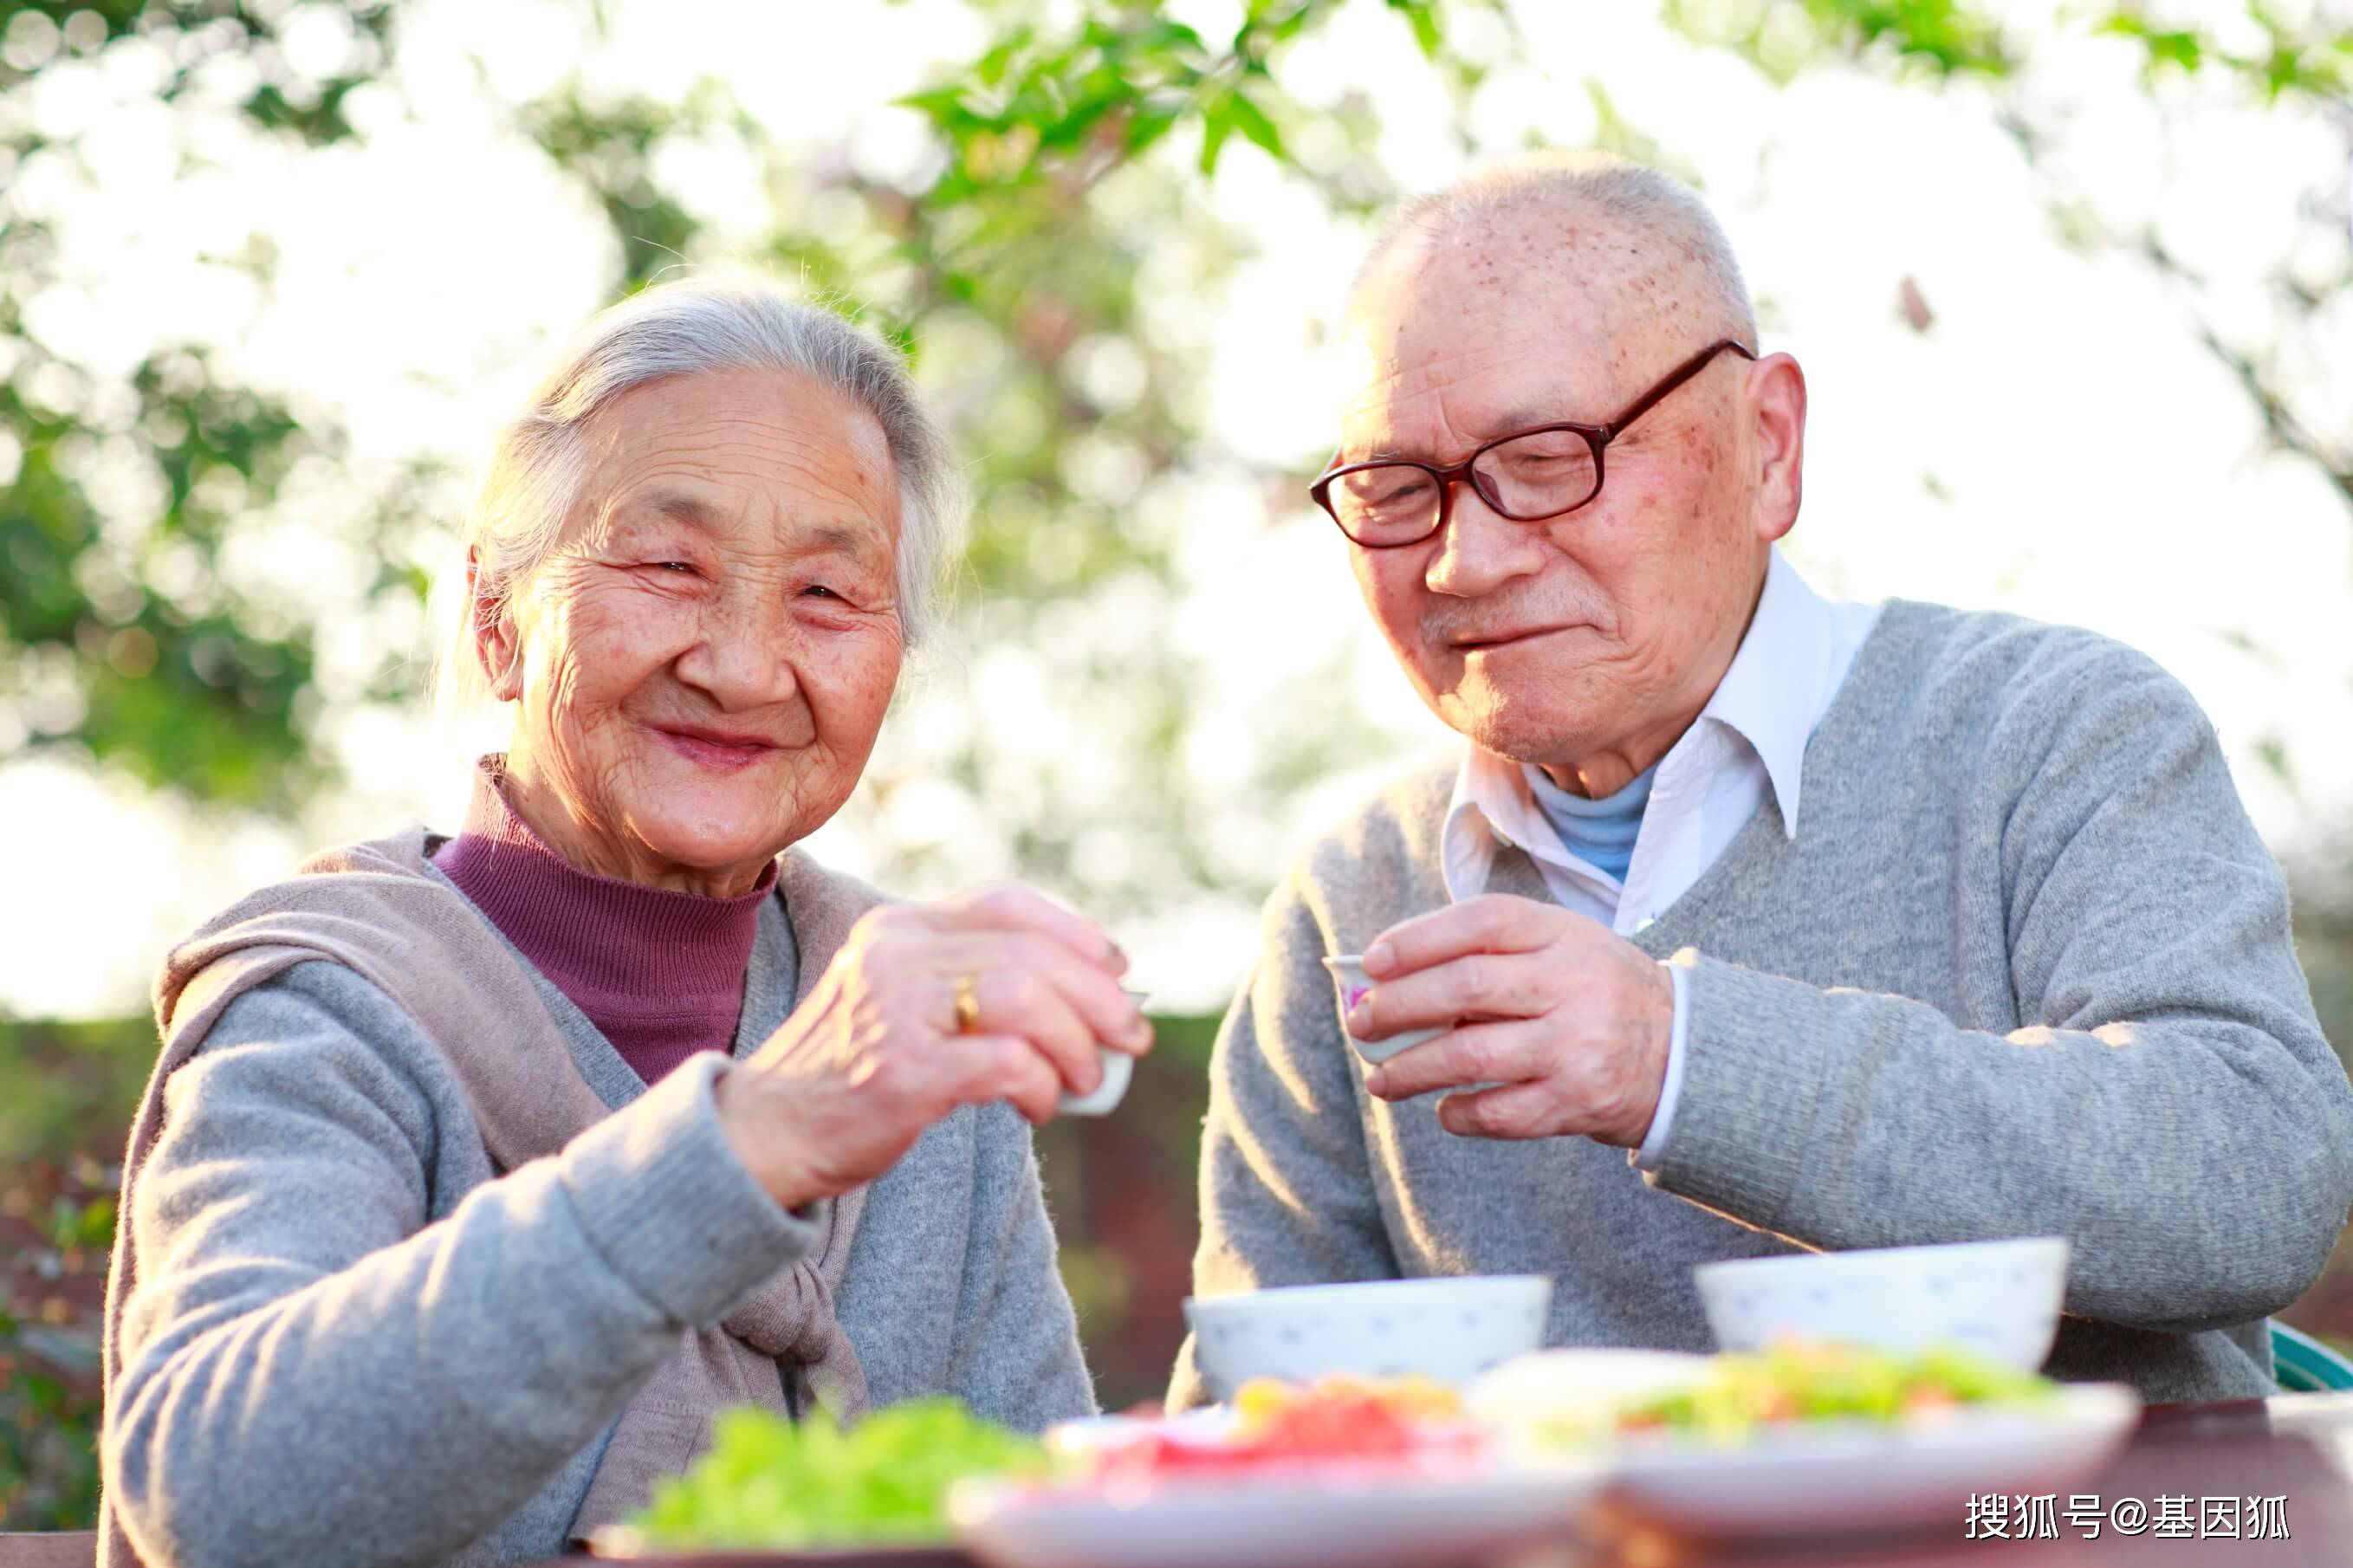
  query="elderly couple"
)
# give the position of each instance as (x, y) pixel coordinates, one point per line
(479, 1169)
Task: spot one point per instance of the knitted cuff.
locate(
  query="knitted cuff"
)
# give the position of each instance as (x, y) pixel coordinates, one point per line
(668, 1204)
(1752, 1063)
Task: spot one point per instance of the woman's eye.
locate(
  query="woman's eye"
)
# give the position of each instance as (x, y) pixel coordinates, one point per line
(675, 565)
(820, 588)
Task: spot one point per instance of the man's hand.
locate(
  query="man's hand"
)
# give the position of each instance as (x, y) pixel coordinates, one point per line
(1568, 1020)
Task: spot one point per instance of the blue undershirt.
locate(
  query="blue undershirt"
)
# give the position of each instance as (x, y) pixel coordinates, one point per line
(1599, 832)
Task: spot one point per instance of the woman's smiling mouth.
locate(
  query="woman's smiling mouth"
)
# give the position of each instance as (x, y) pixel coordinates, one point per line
(724, 751)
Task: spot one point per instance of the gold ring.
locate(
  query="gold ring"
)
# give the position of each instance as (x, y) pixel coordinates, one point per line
(967, 1003)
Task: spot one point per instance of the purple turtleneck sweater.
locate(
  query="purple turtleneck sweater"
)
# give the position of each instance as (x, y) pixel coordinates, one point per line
(660, 974)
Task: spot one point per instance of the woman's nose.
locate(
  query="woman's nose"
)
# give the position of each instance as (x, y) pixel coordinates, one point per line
(743, 657)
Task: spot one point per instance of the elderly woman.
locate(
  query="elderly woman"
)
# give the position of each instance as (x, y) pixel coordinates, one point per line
(478, 1170)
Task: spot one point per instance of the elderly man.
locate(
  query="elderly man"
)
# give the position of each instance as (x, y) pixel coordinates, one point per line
(1754, 920)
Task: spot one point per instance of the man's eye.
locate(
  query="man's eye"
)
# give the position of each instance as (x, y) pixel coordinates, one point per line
(675, 565)
(820, 588)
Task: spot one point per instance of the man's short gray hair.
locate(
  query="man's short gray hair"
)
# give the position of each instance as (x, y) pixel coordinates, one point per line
(691, 328)
(1632, 196)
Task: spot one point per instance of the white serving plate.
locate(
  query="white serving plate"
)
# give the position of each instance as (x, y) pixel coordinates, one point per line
(1270, 1521)
(1202, 1424)
(618, 1543)
(1839, 1477)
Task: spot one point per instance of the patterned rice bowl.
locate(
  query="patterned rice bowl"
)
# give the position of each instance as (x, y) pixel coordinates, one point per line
(2000, 1299)
(1450, 1329)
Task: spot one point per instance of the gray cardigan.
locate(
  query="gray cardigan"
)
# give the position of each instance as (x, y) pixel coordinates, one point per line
(2024, 970)
(354, 1343)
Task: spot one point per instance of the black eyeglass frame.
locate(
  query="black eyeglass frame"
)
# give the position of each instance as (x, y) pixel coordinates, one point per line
(1597, 436)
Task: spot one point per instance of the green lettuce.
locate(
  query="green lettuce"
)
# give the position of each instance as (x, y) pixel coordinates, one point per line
(768, 1483)
(1743, 1392)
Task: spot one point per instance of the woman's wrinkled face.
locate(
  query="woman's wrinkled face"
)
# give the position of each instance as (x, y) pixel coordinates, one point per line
(703, 664)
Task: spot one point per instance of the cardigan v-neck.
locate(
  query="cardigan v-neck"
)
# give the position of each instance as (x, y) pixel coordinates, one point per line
(661, 975)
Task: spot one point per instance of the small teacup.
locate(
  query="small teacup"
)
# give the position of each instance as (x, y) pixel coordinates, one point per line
(1348, 973)
(1118, 1070)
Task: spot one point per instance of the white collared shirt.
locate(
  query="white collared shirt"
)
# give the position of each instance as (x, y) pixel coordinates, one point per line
(1752, 733)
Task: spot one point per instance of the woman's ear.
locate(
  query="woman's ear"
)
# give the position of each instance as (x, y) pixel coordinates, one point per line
(1777, 413)
(495, 641)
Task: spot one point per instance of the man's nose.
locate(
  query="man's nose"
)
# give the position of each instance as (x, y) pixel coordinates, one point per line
(1480, 550)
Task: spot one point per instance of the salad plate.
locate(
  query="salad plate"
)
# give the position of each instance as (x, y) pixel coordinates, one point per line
(623, 1546)
(1205, 1423)
(1339, 1472)
(1317, 1517)
(1803, 1478)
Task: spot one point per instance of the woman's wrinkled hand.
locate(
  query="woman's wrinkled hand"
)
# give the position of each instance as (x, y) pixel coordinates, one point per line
(874, 1057)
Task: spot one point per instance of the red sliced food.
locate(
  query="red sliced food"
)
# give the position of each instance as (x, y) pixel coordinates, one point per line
(1340, 1434)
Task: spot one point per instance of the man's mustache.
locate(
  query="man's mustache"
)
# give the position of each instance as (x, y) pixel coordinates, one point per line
(1462, 626)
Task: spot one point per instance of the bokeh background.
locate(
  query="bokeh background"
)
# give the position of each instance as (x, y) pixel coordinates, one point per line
(2073, 282)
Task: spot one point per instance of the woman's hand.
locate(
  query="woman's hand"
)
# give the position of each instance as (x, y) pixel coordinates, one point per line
(874, 1058)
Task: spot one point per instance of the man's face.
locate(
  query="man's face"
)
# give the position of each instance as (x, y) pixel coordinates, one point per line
(704, 664)
(1601, 632)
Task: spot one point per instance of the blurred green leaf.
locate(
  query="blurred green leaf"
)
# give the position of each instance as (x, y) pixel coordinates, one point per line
(1216, 124)
(2174, 46)
(1422, 16)
(1255, 127)
(1942, 38)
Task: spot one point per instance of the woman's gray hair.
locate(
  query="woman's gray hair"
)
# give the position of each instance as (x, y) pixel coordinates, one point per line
(690, 328)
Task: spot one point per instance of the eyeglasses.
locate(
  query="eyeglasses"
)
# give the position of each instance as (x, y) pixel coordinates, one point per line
(1526, 476)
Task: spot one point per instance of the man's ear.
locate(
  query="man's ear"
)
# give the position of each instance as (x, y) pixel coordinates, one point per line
(496, 643)
(1775, 406)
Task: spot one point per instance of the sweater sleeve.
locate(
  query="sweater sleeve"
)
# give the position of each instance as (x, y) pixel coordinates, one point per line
(311, 1372)
(2172, 1109)
(1287, 1191)
(1015, 1357)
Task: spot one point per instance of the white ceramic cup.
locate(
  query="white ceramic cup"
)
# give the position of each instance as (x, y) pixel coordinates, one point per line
(1118, 1070)
(1348, 975)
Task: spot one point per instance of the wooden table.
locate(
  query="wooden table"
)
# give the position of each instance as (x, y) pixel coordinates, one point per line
(2298, 1446)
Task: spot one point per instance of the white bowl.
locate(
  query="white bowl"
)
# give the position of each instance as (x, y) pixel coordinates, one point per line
(1348, 976)
(1998, 1298)
(1451, 1330)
